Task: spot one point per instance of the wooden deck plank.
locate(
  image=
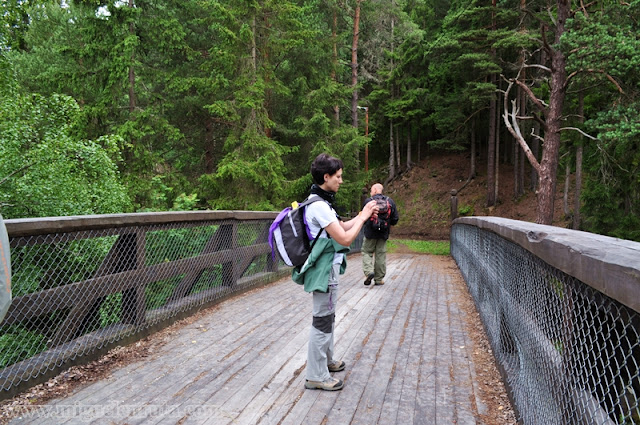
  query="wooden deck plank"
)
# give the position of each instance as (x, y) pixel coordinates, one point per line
(162, 378)
(465, 407)
(399, 404)
(241, 359)
(427, 350)
(227, 335)
(384, 348)
(407, 351)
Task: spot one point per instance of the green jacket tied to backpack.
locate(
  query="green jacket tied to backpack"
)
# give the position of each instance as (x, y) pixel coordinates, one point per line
(314, 273)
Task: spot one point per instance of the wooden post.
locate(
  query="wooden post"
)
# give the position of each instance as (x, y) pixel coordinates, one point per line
(454, 204)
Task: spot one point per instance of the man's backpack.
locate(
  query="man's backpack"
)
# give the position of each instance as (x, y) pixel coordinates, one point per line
(290, 234)
(381, 222)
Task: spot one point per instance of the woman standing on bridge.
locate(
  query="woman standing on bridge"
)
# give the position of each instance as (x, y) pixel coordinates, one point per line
(320, 272)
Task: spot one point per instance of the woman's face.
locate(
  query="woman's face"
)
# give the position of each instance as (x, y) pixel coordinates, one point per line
(332, 182)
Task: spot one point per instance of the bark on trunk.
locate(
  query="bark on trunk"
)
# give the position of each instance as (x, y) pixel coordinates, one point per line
(491, 151)
(334, 38)
(254, 60)
(549, 162)
(535, 148)
(496, 194)
(472, 171)
(548, 166)
(578, 188)
(409, 146)
(132, 74)
(397, 144)
(268, 93)
(354, 65)
(392, 156)
(209, 147)
(565, 196)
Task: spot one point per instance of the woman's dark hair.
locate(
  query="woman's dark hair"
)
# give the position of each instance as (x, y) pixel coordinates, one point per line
(324, 164)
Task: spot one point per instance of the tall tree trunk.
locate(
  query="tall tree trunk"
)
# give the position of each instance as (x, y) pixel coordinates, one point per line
(472, 171)
(132, 74)
(552, 125)
(268, 92)
(521, 167)
(548, 166)
(419, 143)
(578, 188)
(392, 156)
(209, 147)
(354, 65)
(254, 60)
(535, 148)
(516, 165)
(497, 158)
(267, 78)
(491, 141)
(397, 144)
(521, 176)
(565, 196)
(491, 151)
(334, 40)
(409, 146)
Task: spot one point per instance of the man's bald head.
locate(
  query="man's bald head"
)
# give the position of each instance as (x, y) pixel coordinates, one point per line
(376, 189)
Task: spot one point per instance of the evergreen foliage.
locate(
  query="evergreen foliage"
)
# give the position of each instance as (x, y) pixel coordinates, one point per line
(45, 169)
(157, 105)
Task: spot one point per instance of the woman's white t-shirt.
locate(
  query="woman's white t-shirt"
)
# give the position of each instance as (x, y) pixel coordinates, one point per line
(319, 215)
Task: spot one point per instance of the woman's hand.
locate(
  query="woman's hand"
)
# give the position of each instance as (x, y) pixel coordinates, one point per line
(371, 209)
(345, 232)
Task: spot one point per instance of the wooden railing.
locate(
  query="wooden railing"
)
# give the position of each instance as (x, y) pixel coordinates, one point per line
(561, 309)
(84, 284)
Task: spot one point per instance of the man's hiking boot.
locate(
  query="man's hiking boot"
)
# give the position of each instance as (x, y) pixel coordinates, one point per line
(331, 384)
(379, 283)
(336, 366)
(367, 281)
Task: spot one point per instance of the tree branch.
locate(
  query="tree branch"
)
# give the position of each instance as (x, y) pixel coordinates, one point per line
(545, 44)
(514, 128)
(535, 136)
(597, 71)
(539, 103)
(579, 131)
(537, 65)
(15, 172)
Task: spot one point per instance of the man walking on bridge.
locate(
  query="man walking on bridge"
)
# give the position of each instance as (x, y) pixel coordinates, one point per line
(376, 233)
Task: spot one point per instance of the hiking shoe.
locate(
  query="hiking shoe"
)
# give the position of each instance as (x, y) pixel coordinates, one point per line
(336, 366)
(379, 283)
(367, 281)
(331, 384)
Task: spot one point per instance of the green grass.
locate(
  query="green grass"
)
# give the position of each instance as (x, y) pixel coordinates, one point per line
(420, 247)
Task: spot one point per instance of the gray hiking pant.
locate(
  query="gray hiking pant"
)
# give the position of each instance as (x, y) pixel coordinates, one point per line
(377, 265)
(320, 351)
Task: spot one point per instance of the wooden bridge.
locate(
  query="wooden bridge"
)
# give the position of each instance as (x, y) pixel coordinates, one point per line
(561, 309)
(412, 347)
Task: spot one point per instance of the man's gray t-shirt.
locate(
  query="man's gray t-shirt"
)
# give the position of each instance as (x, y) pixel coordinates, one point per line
(319, 215)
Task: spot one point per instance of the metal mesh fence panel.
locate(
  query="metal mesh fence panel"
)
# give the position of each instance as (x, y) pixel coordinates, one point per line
(568, 353)
(77, 292)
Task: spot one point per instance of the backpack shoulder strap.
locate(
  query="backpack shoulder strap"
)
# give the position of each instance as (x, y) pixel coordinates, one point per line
(309, 201)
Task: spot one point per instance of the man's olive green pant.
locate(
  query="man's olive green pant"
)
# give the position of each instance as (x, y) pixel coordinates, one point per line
(378, 266)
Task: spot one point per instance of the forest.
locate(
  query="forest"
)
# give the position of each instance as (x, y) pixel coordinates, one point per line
(112, 106)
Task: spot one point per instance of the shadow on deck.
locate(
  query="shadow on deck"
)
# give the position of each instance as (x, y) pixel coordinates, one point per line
(414, 348)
